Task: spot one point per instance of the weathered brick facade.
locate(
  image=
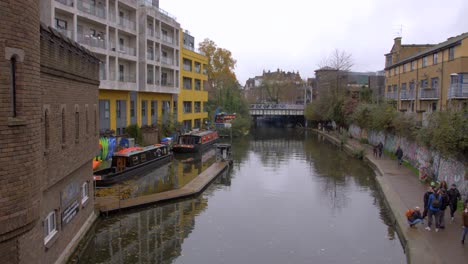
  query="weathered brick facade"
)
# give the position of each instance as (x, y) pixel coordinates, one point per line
(47, 147)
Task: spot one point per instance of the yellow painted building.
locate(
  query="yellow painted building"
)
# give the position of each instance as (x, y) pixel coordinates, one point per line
(193, 78)
(426, 78)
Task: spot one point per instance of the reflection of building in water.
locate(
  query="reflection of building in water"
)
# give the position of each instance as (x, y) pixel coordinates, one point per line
(186, 170)
(276, 145)
(151, 236)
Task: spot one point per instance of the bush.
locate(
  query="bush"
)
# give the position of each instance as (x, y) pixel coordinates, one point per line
(358, 153)
(364, 141)
(404, 125)
(135, 132)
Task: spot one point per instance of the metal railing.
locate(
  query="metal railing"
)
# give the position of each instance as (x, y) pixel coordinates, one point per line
(458, 90)
(167, 61)
(127, 78)
(91, 40)
(149, 80)
(127, 50)
(428, 93)
(66, 2)
(66, 33)
(91, 8)
(391, 95)
(407, 95)
(277, 106)
(167, 39)
(126, 23)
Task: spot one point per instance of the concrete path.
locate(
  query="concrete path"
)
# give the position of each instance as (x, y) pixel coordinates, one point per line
(108, 204)
(402, 190)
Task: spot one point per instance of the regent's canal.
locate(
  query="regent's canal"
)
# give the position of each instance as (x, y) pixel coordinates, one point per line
(289, 198)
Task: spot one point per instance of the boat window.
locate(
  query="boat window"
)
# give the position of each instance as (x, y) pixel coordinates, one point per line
(159, 152)
(143, 157)
(135, 160)
(164, 151)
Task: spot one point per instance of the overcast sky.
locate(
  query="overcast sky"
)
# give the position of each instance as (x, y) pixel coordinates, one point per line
(295, 35)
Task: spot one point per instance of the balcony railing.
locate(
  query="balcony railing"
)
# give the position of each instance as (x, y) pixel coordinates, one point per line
(167, 39)
(127, 50)
(66, 33)
(167, 61)
(149, 56)
(91, 40)
(127, 78)
(149, 80)
(91, 8)
(428, 94)
(167, 83)
(126, 23)
(458, 91)
(391, 95)
(407, 95)
(66, 2)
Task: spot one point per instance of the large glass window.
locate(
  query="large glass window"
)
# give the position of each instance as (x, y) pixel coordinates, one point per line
(187, 107)
(50, 227)
(197, 107)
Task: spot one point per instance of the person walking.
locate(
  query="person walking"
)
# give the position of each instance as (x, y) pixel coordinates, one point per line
(426, 200)
(454, 197)
(380, 147)
(435, 201)
(399, 154)
(443, 185)
(465, 223)
(445, 203)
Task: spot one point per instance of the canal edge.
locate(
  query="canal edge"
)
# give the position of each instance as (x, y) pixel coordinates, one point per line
(416, 251)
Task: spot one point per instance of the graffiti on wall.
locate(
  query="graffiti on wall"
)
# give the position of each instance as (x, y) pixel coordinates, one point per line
(355, 131)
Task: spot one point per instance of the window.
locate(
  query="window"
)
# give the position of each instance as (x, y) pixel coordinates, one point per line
(153, 108)
(197, 67)
(187, 107)
(187, 83)
(61, 24)
(197, 107)
(435, 83)
(412, 65)
(389, 88)
(197, 85)
(132, 108)
(424, 61)
(404, 67)
(63, 126)
(50, 227)
(164, 79)
(205, 69)
(389, 60)
(411, 86)
(84, 192)
(121, 72)
(121, 44)
(395, 88)
(106, 109)
(424, 84)
(46, 129)
(143, 108)
(451, 52)
(187, 65)
(165, 107)
(77, 125)
(196, 123)
(435, 58)
(118, 109)
(143, 157)
(403, 86)
(135, 160)
(13, 84)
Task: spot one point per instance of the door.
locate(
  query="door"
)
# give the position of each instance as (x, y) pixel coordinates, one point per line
(121, 114)
(154, 112)
(144, 119)
(104, 115)
(133, 112)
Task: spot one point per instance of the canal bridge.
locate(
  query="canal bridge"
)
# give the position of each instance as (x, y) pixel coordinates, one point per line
(288, 115)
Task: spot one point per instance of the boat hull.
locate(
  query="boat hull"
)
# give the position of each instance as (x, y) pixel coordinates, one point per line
(129, 173)
(196, 148)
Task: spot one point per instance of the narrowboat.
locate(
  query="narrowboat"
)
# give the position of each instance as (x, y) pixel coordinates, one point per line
(131, 162)
(195, 141)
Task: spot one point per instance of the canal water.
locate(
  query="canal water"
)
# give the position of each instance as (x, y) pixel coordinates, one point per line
(290, 197)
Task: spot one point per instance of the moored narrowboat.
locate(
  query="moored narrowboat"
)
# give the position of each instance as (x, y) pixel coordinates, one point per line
(131, 162)
(195, 141)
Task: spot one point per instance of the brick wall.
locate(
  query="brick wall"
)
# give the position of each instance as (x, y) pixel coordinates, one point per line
(20, 149)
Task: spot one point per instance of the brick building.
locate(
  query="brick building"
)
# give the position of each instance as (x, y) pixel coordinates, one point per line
(49, 134)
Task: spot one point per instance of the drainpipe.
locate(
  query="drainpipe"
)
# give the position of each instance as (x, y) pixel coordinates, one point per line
(442, 81)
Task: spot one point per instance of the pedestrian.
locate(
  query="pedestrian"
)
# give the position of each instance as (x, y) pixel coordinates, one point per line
(465, 223)
(435, 201)
(443, 185)
(445, 203)
(426, 199)
(454, 197)
(380, 146)
(399, 154)
(414, 216)
(376, 151)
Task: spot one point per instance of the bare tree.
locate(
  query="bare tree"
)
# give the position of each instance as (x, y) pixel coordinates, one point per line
(337, 66)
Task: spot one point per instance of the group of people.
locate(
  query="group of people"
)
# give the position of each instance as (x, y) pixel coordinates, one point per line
(378, 150)
(436, 201)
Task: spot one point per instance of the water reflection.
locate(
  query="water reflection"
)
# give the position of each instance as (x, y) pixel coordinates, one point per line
(289, 198)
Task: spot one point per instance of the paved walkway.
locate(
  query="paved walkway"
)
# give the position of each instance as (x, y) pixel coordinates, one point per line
(108, 204)
(403, 190)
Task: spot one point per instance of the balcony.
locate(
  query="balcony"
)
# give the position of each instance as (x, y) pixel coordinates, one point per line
(458, 91)
(126, 23)
(391, 95)
(428, 94)
(127, 78)
(92, 9)
(127, 50)
(167, 39)
(91, 41)
(406, 95)
(167, 61)
(66, 2)
(149, 80)
(66, 33)
(149, 56)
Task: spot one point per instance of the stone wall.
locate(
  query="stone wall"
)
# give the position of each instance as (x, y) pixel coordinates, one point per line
(425, 160)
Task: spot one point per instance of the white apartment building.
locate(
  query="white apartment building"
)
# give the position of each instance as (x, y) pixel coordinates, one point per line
(138, 44)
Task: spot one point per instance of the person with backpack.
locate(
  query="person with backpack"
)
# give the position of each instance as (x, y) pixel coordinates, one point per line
(445, 203)
(399, 155)
(414, 216)
(434, 202)
(380, 147)
(454, 197)
(426, 200)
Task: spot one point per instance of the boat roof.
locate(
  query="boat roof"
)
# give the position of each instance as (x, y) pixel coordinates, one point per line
(200, 133)
(127, 152)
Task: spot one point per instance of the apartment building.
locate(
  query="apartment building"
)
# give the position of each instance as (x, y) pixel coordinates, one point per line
(138, 45)
(429, 77)
(193, 95)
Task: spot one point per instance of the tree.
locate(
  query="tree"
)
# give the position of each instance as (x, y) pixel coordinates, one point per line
(338, 64)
